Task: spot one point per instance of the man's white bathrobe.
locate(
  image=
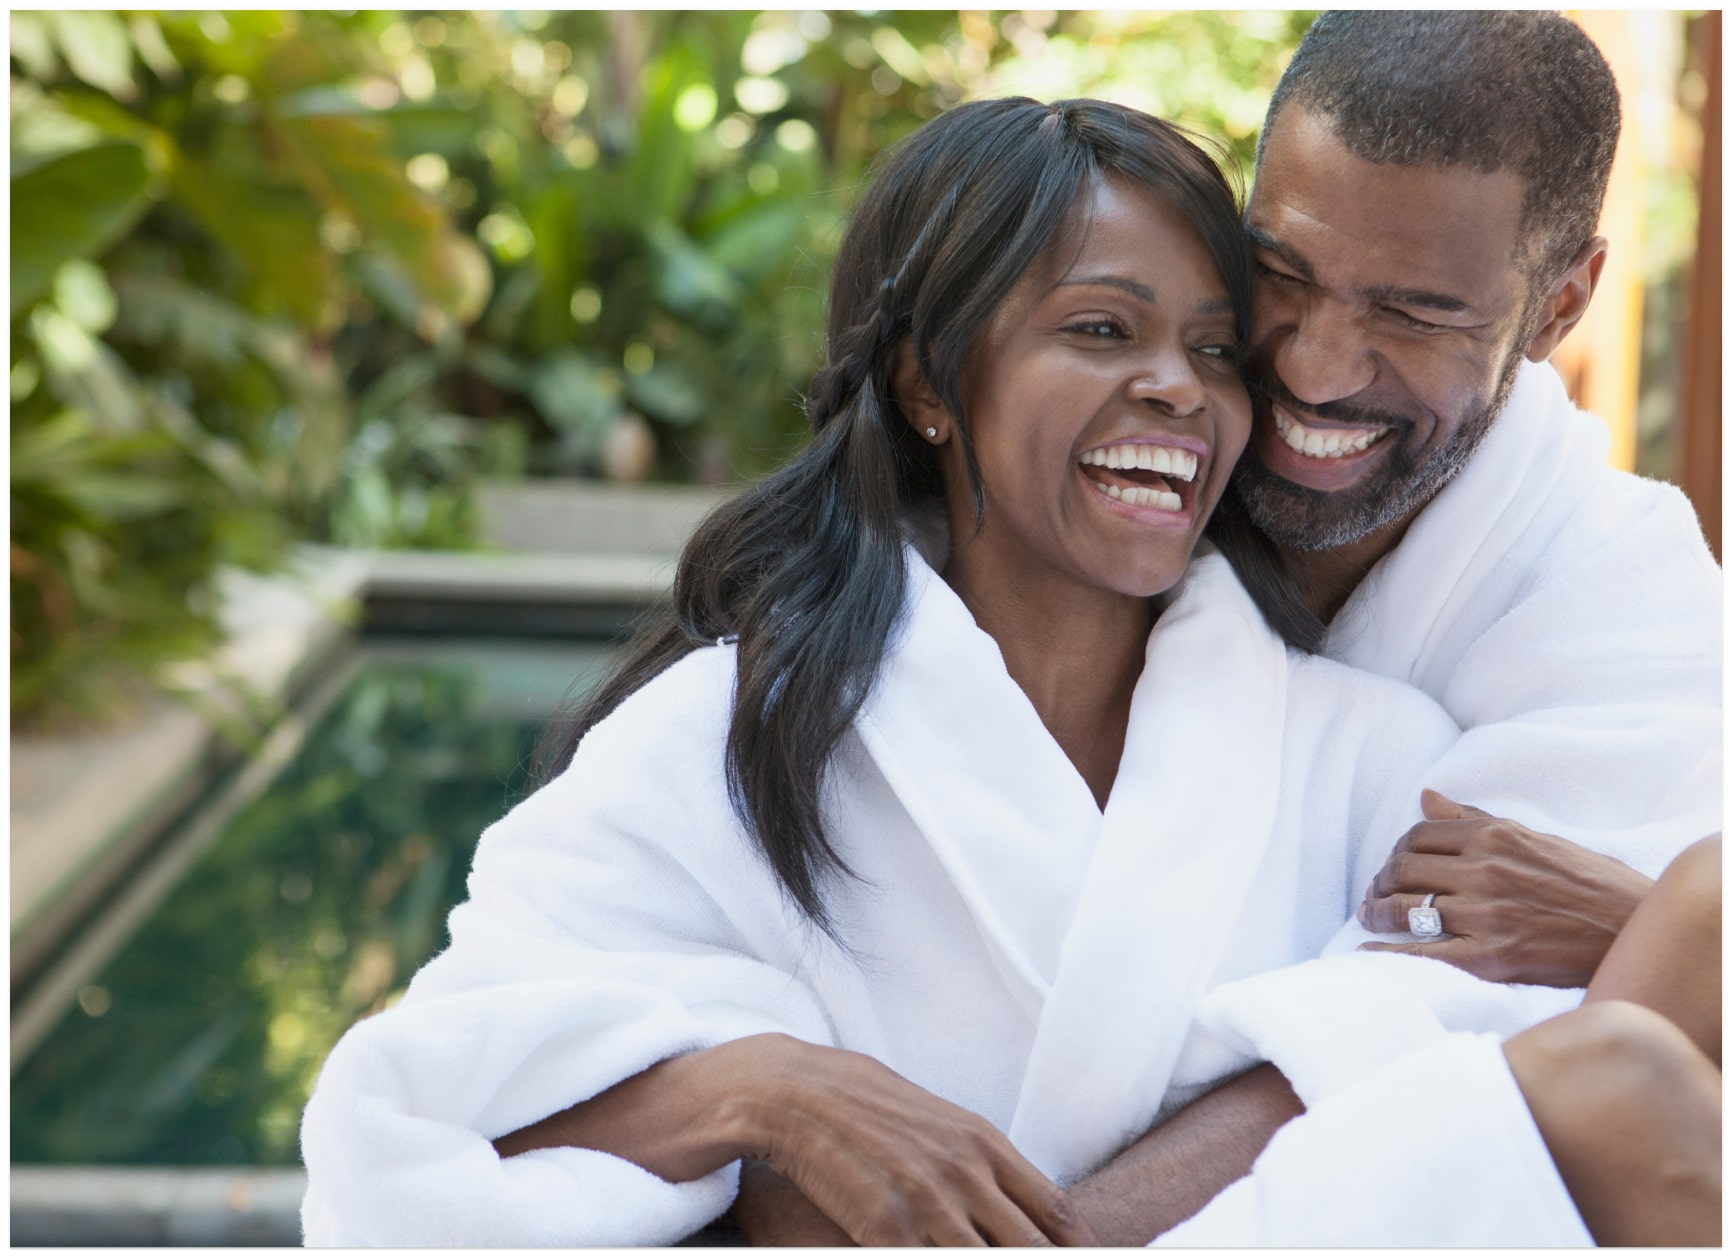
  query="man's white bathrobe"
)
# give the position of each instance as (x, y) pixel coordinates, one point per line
(1016, 951)
(1568, 617)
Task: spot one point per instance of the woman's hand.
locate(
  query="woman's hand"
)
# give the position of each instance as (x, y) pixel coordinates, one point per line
(1523, 907)
(889, 1162)
(892, 1164)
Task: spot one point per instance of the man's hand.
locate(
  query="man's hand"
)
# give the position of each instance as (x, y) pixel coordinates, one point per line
(1523, 907)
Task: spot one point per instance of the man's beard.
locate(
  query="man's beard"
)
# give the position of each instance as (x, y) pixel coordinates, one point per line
(1300, 518)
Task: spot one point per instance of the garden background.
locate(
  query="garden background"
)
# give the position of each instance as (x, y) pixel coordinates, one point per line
(310, 276)
(300, 299)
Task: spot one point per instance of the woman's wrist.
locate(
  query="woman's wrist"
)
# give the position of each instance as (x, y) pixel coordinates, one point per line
(762, 1074)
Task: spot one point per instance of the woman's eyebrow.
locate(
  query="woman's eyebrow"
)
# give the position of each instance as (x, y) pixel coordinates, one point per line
(1142, 292)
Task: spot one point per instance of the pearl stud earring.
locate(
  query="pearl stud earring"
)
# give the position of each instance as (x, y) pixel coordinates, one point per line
(931, 432)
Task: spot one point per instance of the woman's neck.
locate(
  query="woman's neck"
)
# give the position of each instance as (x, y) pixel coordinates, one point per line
(1076, 652)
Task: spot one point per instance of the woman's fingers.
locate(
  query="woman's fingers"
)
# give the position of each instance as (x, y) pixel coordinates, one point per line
(1418, 872)
(894, 1165)
(1046, 1206)
(1387, 914)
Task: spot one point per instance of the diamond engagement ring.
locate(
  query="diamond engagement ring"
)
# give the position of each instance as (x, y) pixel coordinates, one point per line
(1425, 921)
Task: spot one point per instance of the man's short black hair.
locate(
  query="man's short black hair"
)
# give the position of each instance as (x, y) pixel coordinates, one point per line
(1522, 89)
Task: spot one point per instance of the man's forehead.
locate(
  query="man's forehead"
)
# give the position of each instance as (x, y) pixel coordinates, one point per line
(1420, 224)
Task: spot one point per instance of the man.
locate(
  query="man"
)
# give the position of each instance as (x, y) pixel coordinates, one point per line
(1427, 191)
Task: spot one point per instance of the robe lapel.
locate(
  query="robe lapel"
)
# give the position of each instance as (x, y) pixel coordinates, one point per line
(1005, 811)
(1184, 831)
(1396, 622)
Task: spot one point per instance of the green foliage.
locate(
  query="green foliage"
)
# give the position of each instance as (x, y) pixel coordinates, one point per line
(368, 256)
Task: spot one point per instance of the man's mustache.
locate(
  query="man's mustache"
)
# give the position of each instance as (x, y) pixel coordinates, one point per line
(1269, 385)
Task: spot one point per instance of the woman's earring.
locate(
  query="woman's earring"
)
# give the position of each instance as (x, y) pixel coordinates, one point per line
(931, 434)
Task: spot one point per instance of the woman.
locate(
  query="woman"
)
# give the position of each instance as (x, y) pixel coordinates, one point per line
(884, 866)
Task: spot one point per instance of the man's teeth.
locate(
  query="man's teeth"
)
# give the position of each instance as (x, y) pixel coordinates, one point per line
(1181, 464)
(1137, 496)
(1324, 443)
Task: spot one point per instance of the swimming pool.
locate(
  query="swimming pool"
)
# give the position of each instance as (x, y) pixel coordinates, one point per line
(194, 1037)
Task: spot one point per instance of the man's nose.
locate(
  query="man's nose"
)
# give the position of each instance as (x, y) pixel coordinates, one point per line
(1322, 355)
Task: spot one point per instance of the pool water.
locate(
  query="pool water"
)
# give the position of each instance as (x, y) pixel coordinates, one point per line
(198, 1042)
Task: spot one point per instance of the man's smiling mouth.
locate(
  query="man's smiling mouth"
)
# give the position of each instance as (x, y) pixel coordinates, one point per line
(1140, 474)
(1324, 443)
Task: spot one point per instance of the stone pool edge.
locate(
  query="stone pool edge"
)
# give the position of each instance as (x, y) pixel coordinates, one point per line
(70, 844)
(129, 1206)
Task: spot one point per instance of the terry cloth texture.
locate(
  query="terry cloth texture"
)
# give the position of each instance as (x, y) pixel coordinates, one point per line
(1014, 949)
(1568, 617)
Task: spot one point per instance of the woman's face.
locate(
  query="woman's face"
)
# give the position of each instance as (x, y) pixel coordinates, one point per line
(1105, 404)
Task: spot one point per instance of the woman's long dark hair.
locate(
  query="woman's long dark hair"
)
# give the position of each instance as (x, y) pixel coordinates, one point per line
(805, 567)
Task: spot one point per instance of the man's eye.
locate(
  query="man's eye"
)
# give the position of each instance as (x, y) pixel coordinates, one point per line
(1280, 277)
(1418, 325)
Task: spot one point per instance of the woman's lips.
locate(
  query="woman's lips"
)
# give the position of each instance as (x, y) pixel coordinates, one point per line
(1151, 477)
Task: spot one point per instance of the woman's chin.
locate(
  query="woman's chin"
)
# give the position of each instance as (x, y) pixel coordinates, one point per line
(1149, 576)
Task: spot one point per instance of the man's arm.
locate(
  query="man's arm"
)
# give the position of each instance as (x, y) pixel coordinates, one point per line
(1176, 1169)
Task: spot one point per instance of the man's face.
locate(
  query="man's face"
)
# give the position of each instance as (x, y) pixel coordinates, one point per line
(1390, 320)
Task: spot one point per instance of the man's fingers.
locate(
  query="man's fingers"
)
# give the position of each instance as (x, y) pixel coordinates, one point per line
(1439, 807)
(1387, 915)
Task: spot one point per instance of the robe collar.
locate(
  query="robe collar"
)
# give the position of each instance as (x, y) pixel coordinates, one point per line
(1107, 927)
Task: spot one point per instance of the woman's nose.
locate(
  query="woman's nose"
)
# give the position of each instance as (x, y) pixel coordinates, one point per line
(1171, 383)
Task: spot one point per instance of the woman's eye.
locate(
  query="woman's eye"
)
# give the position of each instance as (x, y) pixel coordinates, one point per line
(1226, 351)
(1103, 328)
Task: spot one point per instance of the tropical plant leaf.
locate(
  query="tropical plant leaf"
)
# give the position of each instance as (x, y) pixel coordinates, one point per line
(575, 395)
(271, 231)
(349, 163)
(96, 47)
(73, 206)
(688, 281)
(666, 393)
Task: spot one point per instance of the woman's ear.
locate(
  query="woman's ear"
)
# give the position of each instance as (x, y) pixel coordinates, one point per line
(920, 403)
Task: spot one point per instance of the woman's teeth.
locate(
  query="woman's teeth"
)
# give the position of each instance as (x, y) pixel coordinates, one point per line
(1324, 443)
(1180, 464)
(1137, 496)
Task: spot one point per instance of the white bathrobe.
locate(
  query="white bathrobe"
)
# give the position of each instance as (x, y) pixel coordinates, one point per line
(1017, 951)
(1568, 617)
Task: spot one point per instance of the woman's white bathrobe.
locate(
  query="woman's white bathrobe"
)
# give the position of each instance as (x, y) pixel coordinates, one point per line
(1018, 952)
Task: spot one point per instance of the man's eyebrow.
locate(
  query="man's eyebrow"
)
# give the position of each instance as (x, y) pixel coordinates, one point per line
(1263, 240)
(1142, 292)
(1388, 296)
(1385, 294)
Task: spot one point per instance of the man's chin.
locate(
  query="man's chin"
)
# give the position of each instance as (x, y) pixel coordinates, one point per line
(1298, 517)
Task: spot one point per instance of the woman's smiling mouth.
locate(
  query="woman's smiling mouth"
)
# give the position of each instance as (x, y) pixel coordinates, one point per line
(1141, 473)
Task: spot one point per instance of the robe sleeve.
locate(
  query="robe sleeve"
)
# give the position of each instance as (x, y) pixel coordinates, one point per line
(614, 920)
(1592, 705)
